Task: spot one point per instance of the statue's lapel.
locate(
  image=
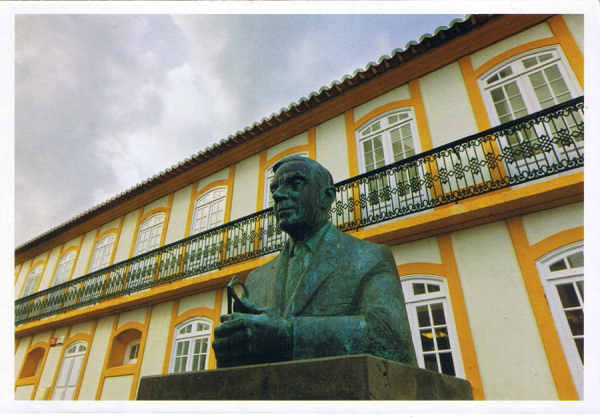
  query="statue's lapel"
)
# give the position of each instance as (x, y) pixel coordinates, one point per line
(278, 289)
(322, 265)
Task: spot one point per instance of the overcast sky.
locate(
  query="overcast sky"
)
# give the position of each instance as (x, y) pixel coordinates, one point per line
(103, 102)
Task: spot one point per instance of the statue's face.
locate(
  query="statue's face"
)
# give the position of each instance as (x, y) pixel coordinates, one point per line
(296, 197)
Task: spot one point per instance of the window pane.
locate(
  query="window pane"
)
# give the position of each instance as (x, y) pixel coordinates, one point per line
(537, 79)
(558, 266)
(512, 89)
(423, 316)
(447, 364)
(441, 337)
(437, 311)
(195, 363)
(567, 295)
(419, 289)
(505, 72)
(492, 79)
(575, 260)
(433, 288)
(575, 319)
(545, 57)
(497, 94)
(529, 62)
(427, 340)
(580, 288)
(579, 344)
(430, 362)
(197, 346)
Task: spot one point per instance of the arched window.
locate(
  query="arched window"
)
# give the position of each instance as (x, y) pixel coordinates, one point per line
(63, 270)
(561, 272)
(149, 233)
(102, 252)
(70, 368)
(523, 85)
(31, 366)
(385, 139)
(125, 348)
(31, 281)
(191, 346)
(209, 210)
(432, 324)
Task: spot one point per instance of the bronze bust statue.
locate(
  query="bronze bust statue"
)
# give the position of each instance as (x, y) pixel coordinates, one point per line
(325, 294)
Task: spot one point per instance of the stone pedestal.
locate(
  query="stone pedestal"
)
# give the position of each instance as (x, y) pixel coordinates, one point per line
(356, 377)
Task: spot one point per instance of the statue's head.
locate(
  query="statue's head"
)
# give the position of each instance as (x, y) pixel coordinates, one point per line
(303, 192)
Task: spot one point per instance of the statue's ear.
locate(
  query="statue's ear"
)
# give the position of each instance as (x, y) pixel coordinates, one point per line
(327, 197)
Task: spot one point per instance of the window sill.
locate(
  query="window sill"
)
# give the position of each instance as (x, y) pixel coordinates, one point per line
(121, 370)
(30, 380)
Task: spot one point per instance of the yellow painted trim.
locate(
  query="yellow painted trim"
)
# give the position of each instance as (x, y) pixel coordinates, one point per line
(556, 241)
(414, 268)
(165, 368)
(106, 357)
(477, 106)
(30, 348)
(351, 143)
(420, 115)
(212, 360)
(392, 105)
(42, 366)
(526, 256)
(569, 46)
(506, 55)
(198, 193)
(121, 371)
(262, 162)
(461, 319)
(312, 143)
(140, 358)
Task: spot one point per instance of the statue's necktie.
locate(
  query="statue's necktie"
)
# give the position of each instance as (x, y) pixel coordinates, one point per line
(299, 259)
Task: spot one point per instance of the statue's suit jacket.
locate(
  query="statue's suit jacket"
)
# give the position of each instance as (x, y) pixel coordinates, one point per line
(349, 300)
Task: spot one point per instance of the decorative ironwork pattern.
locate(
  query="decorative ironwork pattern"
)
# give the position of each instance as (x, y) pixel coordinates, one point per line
(538, 145)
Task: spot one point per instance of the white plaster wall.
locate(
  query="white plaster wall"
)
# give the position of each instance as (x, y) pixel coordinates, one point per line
(137, 315)
(156, 339)
(536, 32)
(84, 254)
(511, 358)
(23, 392)
(116, 387)
(161, 202)
(126, 238)
(575, 24)
(301, 139)
(221, 175)
(179, 213)
(399, 93)
(331, 147)
(83, 327)
(245, 187)
(424, 250)
(112, 224)
(41, 337)
(99, 345)
(447, 105)
(204, 299)
(543, 224)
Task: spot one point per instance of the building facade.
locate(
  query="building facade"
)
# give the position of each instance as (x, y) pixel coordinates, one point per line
(462, 152)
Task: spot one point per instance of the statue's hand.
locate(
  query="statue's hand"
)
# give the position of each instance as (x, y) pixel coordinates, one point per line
(252, 338)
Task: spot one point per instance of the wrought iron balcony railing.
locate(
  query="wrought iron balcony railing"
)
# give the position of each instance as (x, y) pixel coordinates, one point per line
(535, 146)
